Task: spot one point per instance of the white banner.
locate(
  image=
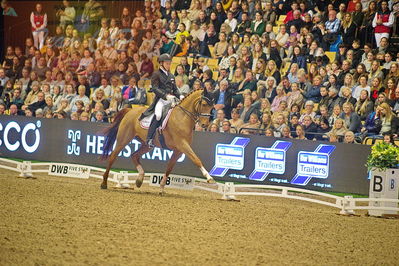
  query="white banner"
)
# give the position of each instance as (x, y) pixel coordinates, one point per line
(173, 181)
(69, 170)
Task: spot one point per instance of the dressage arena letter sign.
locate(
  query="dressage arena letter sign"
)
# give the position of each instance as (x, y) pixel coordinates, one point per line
(383, 184)
(69, 170)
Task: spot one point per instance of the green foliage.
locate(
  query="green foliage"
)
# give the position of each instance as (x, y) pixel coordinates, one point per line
(383, 156)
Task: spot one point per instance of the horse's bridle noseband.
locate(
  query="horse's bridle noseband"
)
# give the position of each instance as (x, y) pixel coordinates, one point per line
(198, 114)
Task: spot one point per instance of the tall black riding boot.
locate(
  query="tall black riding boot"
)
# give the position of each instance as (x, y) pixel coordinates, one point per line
(151, 131)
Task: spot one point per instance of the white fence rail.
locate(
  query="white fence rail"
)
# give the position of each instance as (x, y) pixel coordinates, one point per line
(228, 190)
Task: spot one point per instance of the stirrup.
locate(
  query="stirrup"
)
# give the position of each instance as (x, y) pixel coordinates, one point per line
(150, 143)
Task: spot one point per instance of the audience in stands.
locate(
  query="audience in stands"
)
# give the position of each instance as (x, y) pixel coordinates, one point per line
(323, 70)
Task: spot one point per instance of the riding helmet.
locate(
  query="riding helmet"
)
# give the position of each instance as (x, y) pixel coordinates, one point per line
(164, 58)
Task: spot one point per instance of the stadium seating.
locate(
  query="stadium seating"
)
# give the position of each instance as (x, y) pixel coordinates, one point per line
(150, 97)
(215, 75)
(155, 62)
(213, 64)
(331, 56)
(175, 62)
(211, 50)
(147, 84)
(284, 70)
(373, 140)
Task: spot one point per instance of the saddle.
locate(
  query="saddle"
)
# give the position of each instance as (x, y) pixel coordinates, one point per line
(146, 121)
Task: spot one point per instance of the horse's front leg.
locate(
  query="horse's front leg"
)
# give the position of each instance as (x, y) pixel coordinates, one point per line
(186, 149)
(175, 156)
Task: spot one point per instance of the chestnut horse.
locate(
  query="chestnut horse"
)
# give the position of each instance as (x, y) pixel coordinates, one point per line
(178, 134)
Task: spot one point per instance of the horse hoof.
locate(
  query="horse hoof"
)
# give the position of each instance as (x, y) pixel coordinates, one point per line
(103, 186)
(139, 182)
(211, 181)
(162, 192)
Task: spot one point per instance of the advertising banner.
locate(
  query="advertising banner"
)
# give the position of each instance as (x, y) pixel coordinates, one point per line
(173, 181)
(69, 170)
(250, 159)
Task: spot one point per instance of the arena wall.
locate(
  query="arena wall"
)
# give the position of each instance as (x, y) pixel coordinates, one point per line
(247, 159)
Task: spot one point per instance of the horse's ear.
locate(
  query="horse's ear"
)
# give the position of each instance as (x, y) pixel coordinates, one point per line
(208, 96)
(205, 94)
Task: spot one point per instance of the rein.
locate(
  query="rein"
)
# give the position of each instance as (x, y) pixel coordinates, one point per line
(197, 114)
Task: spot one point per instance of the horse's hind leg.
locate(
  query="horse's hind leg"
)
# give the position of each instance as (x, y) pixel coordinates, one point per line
(122, 139)
(186, 149)
(176, 155)
(111, 160)
(136, 160)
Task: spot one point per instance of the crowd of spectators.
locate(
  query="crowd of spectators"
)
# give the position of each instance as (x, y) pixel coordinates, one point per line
(273, 74)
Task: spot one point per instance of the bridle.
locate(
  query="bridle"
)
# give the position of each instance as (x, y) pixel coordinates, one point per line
(197, 114)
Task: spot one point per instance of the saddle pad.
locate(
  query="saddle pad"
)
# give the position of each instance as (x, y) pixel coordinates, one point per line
(146, 121)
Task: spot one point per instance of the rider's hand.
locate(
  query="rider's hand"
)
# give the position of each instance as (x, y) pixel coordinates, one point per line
(170, 97)
(181, 97)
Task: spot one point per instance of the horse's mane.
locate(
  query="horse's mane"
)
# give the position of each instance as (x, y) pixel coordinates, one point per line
(189, 95)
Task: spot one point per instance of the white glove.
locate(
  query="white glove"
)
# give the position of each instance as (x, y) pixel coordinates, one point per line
(170, 97)
(181, 97)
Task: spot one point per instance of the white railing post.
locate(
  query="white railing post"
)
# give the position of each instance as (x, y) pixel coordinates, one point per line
(118, 178)
(227, 190)
(220, 188)
(347, 204)
(125, 178)
(25, 169)
(121, 179)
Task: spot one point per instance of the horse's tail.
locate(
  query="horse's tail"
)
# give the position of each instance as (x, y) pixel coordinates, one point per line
(111, 132)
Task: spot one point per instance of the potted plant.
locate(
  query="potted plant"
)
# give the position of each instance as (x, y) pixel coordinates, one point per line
(383, 156)
(384, 176)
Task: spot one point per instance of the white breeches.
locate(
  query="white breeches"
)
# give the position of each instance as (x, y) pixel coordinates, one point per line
(379, 36)
(159, 108)
(38, 38)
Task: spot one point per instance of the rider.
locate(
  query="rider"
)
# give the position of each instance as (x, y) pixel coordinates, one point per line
(164, 87)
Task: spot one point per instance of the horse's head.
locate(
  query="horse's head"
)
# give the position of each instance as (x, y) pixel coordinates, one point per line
(204, 109)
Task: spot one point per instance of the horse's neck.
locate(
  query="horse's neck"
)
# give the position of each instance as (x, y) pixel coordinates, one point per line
(190, 105)
(191, 101)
